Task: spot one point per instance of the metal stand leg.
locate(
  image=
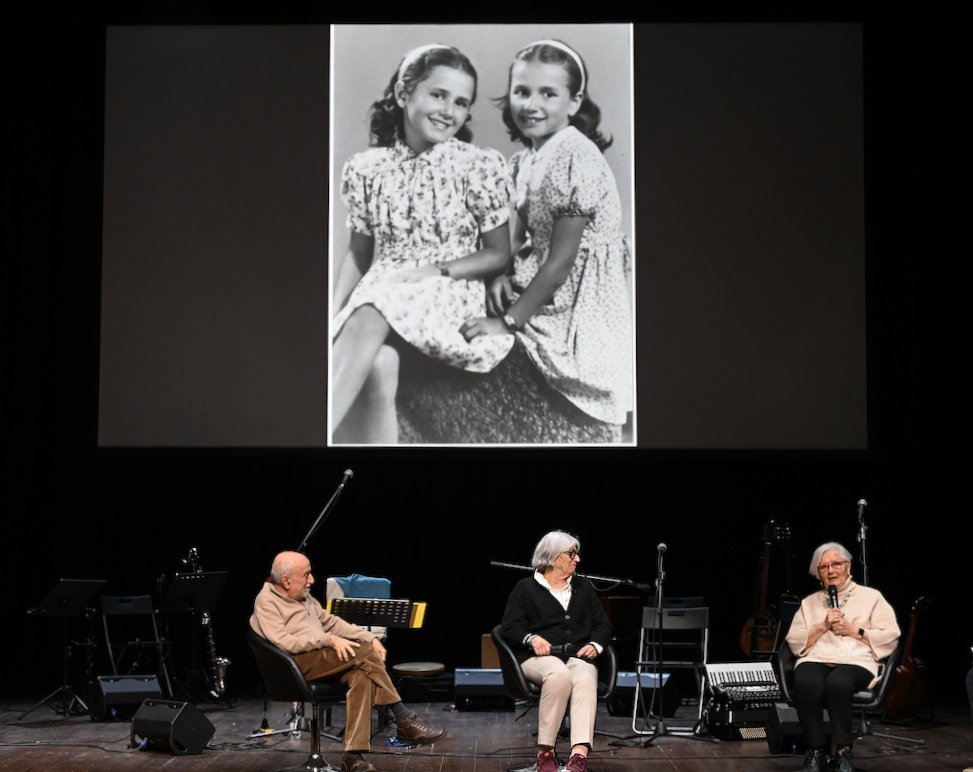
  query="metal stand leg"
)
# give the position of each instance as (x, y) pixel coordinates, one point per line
(64, 692)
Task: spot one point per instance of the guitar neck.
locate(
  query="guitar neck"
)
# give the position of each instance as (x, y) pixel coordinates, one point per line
(765, 576)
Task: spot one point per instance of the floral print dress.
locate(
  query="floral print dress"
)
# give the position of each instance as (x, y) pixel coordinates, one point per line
(581, 340)
(421, 208)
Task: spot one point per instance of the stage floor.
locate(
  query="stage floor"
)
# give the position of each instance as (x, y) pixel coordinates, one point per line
(476, 741)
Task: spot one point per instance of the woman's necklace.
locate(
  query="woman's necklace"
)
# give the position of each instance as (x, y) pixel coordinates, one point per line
(841, 604)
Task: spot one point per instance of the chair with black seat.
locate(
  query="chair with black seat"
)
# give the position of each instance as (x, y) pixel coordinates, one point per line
(683, 601)
(136, 631)
(864, 700)
(522, 689)
(285, 682)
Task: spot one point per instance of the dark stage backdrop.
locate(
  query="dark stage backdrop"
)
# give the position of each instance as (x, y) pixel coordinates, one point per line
(433, 520)
(749, 228)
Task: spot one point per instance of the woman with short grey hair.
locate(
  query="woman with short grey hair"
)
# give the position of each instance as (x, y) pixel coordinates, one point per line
(557, 627)
(843, 553)
(839, 635)
(550, 546)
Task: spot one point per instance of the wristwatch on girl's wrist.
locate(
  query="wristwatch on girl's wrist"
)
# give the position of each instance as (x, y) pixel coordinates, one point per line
(443, 269)
(510, 323)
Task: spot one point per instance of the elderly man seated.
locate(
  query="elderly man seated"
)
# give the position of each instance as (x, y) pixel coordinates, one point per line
(324, 645)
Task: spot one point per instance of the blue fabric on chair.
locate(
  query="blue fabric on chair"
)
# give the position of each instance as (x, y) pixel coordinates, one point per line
(358, 586)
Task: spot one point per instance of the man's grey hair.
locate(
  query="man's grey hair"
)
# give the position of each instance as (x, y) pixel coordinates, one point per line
(281, 568)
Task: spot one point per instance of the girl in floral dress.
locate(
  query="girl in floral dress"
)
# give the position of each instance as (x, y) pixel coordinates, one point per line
(568, 297)
(428, 214)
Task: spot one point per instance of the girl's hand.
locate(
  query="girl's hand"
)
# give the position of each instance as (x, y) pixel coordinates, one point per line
(499, 295)
(474, 328)
(411, 275)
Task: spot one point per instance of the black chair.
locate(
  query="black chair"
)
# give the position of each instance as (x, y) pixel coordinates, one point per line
(520, 688)
(685, 601)
(680, 643)
(135, 617)
(864, 700)
(285, 682)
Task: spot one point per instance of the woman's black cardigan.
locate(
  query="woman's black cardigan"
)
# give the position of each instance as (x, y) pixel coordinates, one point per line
(532, 609)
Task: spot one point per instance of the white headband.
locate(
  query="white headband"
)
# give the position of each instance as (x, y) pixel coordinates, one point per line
(414, 54)
(568, 50)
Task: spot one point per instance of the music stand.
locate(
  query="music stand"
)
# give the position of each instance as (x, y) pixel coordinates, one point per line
(194, 593)
(69, 598)
(382, 612)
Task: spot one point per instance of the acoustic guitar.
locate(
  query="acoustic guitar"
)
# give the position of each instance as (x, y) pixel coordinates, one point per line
(907, 694)
(760, 630)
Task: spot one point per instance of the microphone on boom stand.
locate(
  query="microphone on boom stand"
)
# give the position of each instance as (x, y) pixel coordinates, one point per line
(863, 539)
(659, 728)
(327, 508)
(640, 586)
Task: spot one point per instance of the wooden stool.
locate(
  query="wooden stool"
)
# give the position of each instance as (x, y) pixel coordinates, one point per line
(418, 681)
(419, 669)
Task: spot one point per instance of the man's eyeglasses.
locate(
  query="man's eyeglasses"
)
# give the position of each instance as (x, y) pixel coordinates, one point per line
(836, 565)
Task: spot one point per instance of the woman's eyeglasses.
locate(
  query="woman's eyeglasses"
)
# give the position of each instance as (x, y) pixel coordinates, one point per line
(572, 554)
(836, 565)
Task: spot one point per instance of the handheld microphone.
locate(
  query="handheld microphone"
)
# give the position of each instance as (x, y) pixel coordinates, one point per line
(833, 594)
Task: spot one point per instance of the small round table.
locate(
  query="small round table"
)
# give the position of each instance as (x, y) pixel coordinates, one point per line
(419, 669)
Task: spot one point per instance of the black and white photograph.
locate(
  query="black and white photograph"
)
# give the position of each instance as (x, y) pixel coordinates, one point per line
(246, 217)
(482, 244)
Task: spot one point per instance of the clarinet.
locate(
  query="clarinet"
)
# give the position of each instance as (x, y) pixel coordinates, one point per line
(217, 665)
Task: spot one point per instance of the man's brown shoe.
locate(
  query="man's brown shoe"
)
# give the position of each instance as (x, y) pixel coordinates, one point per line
(353, 762)
(414, 729)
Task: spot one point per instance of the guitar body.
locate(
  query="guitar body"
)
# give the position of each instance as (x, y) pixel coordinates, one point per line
(907, 694)
(759, 634)
(760, 630)
(907, 697)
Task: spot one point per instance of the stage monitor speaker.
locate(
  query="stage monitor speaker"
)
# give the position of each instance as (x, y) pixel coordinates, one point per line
(665, 701)
(115, 695)
(171, 726)
(784, 733)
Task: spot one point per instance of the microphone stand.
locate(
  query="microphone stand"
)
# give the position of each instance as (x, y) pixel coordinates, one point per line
(641, 586)
(863, 540)
(298, 721)
(327, 509)
(660, 729)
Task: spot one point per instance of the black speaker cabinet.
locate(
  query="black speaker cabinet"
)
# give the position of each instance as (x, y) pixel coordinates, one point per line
(171, 726)
(665, 701)
(784, 733)
(120, 695)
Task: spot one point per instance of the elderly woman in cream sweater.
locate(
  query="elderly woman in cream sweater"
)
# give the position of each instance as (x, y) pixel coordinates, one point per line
(838, 644)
